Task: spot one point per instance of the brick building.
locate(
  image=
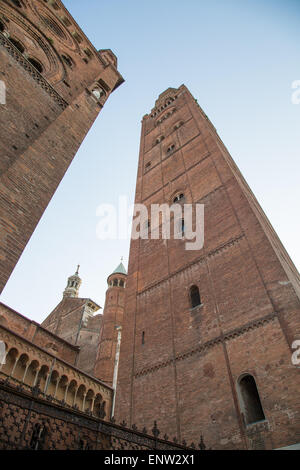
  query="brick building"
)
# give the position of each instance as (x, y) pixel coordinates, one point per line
(56, 84)
(207, 333)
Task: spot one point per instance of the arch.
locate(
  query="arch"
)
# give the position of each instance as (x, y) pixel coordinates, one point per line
(38, 436)
(195, 298)
(36, 64)
(89, 401)
(42, 377)
(179, 198)
(67, 60)
(53, 382)
(31, 373)
(250, 402)
(71, 391)
(21, 367)
(99, 407)
(61, 388)
(17, 44)
(10, 361)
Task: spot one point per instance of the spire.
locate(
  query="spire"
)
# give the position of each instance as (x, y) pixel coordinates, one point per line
(120, 269)
(73, 285)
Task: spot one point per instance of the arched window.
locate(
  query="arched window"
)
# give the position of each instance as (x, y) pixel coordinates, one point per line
(17, 3)
(171, 148)
(195, 296)
(250, 401)
(17, 44)
(121, 283)
(36, 64)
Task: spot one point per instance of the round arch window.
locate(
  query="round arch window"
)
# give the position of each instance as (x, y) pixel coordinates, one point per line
(98, 93)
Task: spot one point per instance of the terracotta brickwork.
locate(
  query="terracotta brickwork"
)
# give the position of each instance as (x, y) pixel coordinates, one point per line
(36, 334)
(185, 365)
(56, 85)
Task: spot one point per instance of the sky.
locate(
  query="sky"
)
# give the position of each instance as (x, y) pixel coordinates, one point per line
(239, 59)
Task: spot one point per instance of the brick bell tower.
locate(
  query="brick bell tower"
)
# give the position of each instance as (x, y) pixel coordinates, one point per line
(53, 85)
(106, 366)
(207, 334)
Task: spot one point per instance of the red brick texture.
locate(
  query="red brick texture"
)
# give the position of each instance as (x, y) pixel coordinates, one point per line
(186, 373)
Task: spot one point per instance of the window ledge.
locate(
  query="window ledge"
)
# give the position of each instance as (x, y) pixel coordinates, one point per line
(196, 308)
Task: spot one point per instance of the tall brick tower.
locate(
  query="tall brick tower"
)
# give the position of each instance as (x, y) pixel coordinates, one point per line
(106, 366)
(56, 84)
(207, 334)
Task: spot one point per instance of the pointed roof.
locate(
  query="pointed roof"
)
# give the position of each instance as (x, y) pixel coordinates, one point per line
(120, 269)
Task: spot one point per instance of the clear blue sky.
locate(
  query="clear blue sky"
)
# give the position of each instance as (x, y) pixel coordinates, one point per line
(239, 59)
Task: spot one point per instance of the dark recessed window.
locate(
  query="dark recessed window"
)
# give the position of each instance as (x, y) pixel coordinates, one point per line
(195, 296)
(115, 282)
(36, 64)
(67, 60)
(171, 148)
(2, 27)
(17, 3)
(143, 337)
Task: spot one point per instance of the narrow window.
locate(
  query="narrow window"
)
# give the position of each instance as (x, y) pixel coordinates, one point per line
(143, 337)
(195, 296)
(250, 401)
(121, 284)
(38, 437)
(116, 282)
(2, 27)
